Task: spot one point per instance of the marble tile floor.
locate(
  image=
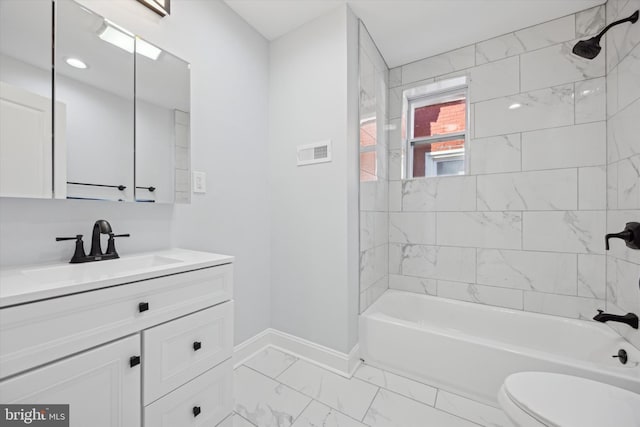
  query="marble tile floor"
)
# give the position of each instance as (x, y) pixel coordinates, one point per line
(276, 389)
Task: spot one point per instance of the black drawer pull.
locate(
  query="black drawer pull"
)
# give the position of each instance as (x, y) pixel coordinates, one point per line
(196, 411)
(143, 306)
(134, 361)
(197, 345)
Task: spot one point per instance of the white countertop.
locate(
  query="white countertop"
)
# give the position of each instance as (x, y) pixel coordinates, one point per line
(36, 282)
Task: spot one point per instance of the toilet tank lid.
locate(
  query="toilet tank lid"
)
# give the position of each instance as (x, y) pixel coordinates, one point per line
(558, 400)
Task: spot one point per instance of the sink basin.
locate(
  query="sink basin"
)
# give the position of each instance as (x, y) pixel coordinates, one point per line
(38, 282)
(98, 270)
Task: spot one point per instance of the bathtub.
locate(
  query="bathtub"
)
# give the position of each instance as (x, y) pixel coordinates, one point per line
(471, 348)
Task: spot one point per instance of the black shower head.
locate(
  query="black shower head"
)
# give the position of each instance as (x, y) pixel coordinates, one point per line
(589, 49)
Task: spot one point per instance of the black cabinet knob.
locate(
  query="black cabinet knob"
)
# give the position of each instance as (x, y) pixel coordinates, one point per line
(197, 345)
(134, 361)
(196, 411)
(143, 306)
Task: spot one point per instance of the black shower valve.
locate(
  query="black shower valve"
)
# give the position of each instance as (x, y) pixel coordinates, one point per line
(630, 234)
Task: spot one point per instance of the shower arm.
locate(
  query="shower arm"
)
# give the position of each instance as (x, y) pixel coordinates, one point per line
(633, 19)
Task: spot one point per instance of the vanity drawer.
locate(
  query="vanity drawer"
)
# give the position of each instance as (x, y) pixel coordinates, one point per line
(210, 396)
(36, 333)
(176, 352)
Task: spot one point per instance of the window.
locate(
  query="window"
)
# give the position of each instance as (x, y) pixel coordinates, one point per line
(436, 117)
(368, 155)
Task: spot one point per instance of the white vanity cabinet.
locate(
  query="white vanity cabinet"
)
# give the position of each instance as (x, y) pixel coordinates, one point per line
(130, 353)
(100, 386)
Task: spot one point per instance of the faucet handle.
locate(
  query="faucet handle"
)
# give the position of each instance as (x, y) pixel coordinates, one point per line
(79, 254)
(111, 244)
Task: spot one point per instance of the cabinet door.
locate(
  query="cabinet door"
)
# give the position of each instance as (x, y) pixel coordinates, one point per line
(100, 385)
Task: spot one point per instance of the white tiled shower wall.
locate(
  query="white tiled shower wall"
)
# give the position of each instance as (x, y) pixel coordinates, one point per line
(525, 228)
(623, 160)
(374, 215)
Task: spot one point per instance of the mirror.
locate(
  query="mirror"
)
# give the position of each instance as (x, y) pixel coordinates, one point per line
(94, 92)
(119, 115)
(26, 150)
(162, 126)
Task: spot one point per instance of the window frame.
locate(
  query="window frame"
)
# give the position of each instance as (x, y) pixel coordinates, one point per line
(449, 90)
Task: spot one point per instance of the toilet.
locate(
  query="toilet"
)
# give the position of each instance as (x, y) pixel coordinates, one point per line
(535, 399)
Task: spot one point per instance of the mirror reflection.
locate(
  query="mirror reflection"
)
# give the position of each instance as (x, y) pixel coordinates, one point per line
(94, 90)
(26, 150)
(162, 126)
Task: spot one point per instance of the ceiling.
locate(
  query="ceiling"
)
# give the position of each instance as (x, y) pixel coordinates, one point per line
(408, 30)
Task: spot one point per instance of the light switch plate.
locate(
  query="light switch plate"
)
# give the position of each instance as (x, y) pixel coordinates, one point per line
(199, 182)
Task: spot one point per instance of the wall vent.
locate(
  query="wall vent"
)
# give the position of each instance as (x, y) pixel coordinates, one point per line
(318, 152)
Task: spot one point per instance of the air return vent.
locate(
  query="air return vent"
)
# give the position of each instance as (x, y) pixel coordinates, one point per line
(318, 152)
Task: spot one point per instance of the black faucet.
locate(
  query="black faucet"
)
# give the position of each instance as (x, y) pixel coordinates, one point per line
(101, 226)
(630, 235)
(629, 318)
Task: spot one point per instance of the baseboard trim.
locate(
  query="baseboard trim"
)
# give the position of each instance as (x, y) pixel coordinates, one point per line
(340, 363)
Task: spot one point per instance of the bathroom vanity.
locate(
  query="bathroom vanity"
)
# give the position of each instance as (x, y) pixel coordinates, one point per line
(144, 340)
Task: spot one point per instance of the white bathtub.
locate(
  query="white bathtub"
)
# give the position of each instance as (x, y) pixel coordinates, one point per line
(471, 348)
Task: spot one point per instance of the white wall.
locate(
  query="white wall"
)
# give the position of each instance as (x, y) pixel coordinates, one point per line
(229, 77)
(314, 208)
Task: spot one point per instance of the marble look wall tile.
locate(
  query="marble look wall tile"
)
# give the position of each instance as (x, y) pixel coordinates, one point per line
(271, 362)
(395, 165)
(317, 414)
(367, 76)
(395, 77)
(556, 65)
(413, 284)
(264, 401)
(374, 195)
(562, 305)
(395, 196)
(565, 147)
(438, 262)
(401, 385)
(622, 133)
(440, 64)
(591, 100)
(395, 134)
(564, 231)
(590, 22)
(622, 283)
(592, 188)
(495, 154)
(367, 230)
(471, 410)
(540, 109)
(522, 270)
(392, 410)
(395, 258)
(439, 194)
(612, 92)
(548, 33)
(496, 79)
(612, 186)
(498, 48)
(591, 276)
(350, 396)
(502, 230)
(527, 39)
(621, 42)
(629, 182)
(629, 78)
(373, 264)
(369, 295)
(501, 297)
(395, 102)
(541, 190)
(412, 227)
